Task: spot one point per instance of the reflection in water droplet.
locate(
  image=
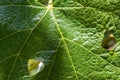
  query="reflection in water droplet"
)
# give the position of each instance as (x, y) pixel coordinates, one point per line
(35, 66)
(108, 41)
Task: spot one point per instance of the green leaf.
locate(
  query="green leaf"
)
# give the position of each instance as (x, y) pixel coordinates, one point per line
(65, 35)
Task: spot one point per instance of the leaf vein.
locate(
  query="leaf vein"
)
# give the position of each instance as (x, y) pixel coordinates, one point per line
(25, 43)
(59, 30)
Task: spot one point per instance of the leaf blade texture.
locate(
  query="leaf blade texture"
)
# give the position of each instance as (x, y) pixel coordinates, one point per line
(66, 35)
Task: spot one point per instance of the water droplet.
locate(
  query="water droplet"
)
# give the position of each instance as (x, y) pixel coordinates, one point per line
(108, 41)
(35, 66)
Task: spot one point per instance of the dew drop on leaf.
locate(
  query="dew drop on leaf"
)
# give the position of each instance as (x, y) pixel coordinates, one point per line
(35, 66)
(108, 41)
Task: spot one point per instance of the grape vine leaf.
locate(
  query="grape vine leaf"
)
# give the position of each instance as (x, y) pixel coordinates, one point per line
(65, 34)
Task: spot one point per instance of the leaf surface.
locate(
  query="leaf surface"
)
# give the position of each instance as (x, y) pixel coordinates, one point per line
(65, 34)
